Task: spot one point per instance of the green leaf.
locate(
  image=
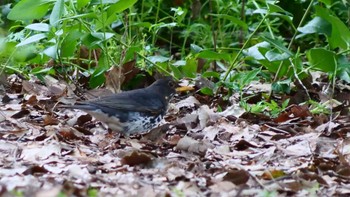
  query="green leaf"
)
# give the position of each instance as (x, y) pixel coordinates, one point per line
(343, 71)
(195, 48)
(340, 36)
(208, 74)
(69, 44)
(281, 86)
(82, 3)
(51, 51)
(158, 58)
(131, 52)
(278, 44)
(208, 54)
(255, 51)
(102, 36)
(25, 53)
(41, 70)
(273, 67)
(57, 12)
(207, 91)
(316, 25)
(93, 40)
(176, 71)
(120, 6)
(322, 59)
(275, 8)
(248, 77)
(190, 69)
(29, 9)
(327, 2)
(103, 65)
(39, 27)
(233, 19)
(31, 39)
(98, 2)
(103, 21)
(275, 55)
(179, 63)
(96, 80)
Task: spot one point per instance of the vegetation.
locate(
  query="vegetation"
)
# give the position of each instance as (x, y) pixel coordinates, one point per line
(220, 40)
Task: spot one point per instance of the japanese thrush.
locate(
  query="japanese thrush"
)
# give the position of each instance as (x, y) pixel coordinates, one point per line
(134, 111)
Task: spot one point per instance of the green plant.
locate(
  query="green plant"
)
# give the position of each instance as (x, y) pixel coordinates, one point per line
(271, 108)
(229, 43)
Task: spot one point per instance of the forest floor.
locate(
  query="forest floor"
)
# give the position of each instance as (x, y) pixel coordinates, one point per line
(199, 150)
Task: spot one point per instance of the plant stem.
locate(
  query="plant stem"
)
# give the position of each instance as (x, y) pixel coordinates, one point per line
(243, 47)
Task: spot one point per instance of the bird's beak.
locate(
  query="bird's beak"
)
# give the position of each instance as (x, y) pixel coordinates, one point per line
(184, 89)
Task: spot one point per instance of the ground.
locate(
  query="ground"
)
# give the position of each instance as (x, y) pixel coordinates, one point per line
(199, 150)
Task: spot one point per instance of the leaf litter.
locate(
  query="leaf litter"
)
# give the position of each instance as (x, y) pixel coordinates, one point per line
(198, 151)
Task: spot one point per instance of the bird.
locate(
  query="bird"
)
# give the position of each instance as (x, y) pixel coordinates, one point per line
(131, 112)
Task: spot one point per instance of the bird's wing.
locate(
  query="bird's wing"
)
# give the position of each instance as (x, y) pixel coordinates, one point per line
(138, 101)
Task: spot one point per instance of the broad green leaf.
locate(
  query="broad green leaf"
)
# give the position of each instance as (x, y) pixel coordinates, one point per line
(344, 75)
(131, 52)
(82, 3)
(278, 44)
(233, 19)
(343, 69)
(327, 2)
(281, 86)
(273, 67)
(316, 25)
(275, 8)
(141, 24)
(255, 51)
(69, 44)
(179, 63)
(208, 54)
(340, 36)
(260, 11)
(102, 36)
(176, 71)
(275, 55)
(98, 2)
(207, 91)
(158, 58)
(96, 80)
(90, 41)
(31, 39)
(322, 59)
(103, 65)
(248, 77)
(208, 74)
(51, 51)
(6, 48)
(120, 6)
(87, 15)
(39, 27)
(195, 48)
(104, 21)
(24, 53)
(94, 40)
(190, 69)
(41, 70)
(29, 9)
(57, 12)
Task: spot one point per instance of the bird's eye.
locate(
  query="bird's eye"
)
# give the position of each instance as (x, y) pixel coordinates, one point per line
(172, 84)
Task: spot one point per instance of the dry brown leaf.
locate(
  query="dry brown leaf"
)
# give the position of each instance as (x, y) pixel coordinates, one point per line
(136, 158)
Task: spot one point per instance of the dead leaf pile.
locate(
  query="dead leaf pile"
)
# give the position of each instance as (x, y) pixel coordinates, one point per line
(199, 151)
